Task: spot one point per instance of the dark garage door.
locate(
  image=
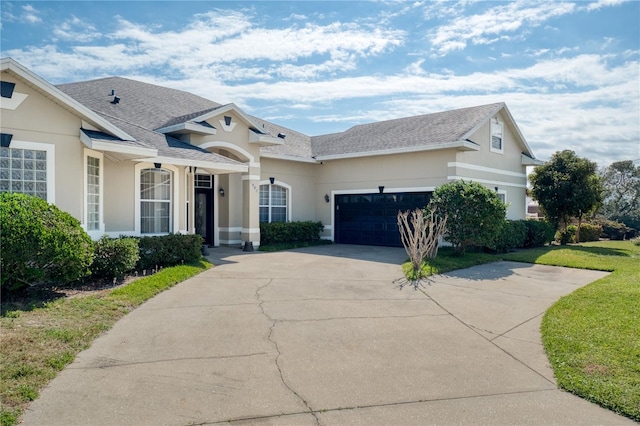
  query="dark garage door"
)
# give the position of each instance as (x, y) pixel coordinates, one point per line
(371, 219)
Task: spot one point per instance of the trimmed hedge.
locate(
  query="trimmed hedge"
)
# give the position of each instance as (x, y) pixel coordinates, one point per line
(40, 243)
(512, 234)
(290, 232)
(588, 232)
(115, 257)
(539, 233)
(169, 250)
(613, 229)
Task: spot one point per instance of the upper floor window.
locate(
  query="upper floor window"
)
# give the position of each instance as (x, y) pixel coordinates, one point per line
(155, 201)
(24, 171)
(273, 203)
(496, 136)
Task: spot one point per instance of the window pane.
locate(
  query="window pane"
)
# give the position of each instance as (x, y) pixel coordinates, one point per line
(278, 214)
(496, 142)
(155, 185)
(155, 201)
(264, 214)
(93, 194)
(278, 196)
(17, 171)
(264, 195)
(273, 203)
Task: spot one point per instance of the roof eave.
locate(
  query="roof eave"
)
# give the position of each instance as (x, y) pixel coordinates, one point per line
(264, 140)
(52, 91)
(460, 145)
(529, 161)
(188, 127)
(211, 166)
(289, 158)
(123, 151)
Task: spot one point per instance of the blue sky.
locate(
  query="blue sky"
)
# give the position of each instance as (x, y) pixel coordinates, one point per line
(568, 71)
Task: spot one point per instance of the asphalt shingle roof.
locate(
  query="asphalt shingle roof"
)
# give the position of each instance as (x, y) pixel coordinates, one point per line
(422, 130)
(145, 107)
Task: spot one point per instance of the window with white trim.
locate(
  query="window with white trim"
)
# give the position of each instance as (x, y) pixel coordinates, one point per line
(496, 136)
(273, 203)
(93, 194)
(155, 201)
(24, 171)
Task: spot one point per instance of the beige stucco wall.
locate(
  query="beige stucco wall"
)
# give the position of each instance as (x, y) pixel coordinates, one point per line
(40, 120)
(496, 170)
(302, 179)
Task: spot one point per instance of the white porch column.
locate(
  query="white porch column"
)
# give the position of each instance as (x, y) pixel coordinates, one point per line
(251, 207)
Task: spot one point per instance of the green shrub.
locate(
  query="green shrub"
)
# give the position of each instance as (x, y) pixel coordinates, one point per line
(566, 236)
(289, 232)
(539, 233)
(114, 257)
(636, 241)
(613, 229)
(511, 234)
(474, 213)
(169, 250)
(40, 243)
(590, 232)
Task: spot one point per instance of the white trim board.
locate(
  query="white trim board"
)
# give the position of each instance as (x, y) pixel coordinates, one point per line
(485, 169)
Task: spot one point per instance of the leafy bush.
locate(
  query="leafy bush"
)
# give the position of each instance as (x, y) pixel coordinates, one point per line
(636, 241)
(169, 250)
(566, 236)
(290, 232)
(511, 234)
(539, 233)
(590, 232)
(114, 257)
(40, 243)
(613, 229)
(475, 213)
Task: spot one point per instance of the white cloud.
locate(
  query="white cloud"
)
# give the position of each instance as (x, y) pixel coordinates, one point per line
(75, 29)
(494, 24)
(30, 14)
(603, 3)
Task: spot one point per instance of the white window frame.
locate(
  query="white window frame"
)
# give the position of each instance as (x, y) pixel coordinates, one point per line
(174, 208)
(96, 233)
(51, 163)
(289, 198)
(497, 127)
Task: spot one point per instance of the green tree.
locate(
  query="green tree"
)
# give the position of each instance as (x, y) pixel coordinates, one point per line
(474, 213)
(567, 186)
(621, 181)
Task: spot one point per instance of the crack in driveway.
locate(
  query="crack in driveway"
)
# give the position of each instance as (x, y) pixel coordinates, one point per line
(278, 353)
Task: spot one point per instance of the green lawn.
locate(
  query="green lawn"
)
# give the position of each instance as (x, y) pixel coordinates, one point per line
(592, 336)
(40, 337)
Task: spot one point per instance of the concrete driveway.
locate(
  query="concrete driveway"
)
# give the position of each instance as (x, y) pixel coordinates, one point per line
(321, 336)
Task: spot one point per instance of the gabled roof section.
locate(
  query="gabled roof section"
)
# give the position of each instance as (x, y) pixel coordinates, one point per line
(174, 151)
(61, 98)
(296, 146)
(147, 105)
(449, 129)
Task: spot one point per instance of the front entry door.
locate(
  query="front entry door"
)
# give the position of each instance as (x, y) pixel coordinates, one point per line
(204, 214)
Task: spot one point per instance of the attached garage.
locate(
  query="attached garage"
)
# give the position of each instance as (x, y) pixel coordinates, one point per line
(371, 219)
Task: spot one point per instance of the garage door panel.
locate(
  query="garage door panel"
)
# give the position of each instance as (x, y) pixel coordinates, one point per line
(371, 219)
